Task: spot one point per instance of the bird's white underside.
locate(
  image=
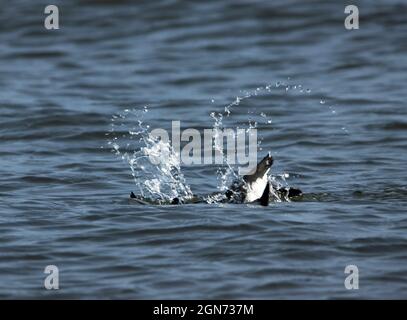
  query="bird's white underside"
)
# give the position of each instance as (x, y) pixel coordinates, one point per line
(256, 188)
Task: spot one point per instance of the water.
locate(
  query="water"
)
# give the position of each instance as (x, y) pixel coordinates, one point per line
(339, 135)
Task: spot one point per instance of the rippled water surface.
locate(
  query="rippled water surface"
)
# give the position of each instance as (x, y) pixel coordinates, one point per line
(64, 194)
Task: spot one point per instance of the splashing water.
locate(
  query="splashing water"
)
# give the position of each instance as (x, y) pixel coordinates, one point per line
(227, 173)
(156, 167)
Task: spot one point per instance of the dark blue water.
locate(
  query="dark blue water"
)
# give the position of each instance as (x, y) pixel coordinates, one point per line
(64, 194)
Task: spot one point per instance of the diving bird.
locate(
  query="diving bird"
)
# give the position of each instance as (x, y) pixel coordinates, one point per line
(251, 188)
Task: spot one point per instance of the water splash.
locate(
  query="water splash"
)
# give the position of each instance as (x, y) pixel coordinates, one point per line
(227, 173)
(155, 166)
